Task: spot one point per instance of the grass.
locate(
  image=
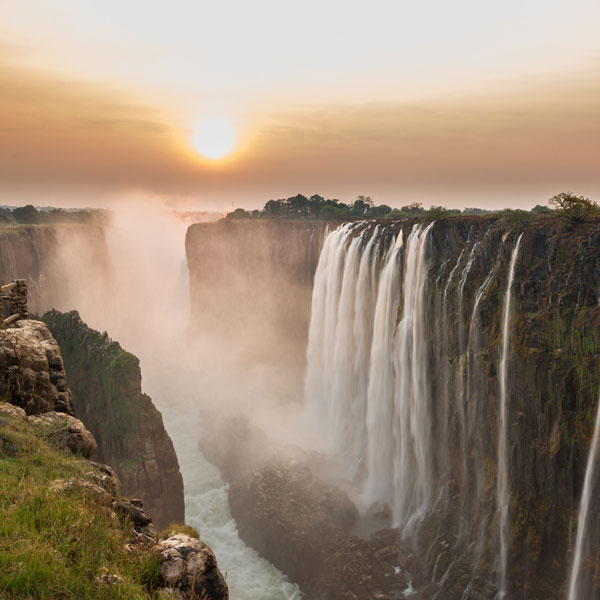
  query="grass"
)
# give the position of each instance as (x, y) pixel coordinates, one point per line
(176, 529)
(55, 545)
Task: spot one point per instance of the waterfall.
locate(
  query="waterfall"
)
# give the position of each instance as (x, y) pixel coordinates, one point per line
(574, 593)
(502, 489)
(367, 380)
(412, 421)
(410, 355)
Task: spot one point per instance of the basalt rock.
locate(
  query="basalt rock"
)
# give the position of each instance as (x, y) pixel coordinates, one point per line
(252, 280)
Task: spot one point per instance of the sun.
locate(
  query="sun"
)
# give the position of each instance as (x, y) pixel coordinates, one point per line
(214, 136)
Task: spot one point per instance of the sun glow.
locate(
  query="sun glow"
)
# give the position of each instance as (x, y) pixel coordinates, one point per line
(214, 136)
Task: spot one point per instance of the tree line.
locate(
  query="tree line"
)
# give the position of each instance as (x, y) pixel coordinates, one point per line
(30, 215)
(299, 207)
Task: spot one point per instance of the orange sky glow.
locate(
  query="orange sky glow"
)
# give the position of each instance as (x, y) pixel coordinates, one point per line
(500, 139)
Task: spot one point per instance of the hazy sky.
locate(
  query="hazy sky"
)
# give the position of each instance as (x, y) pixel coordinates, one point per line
(456, 103)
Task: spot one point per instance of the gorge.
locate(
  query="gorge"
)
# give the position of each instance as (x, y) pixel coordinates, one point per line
(452, 371)
(442, 376)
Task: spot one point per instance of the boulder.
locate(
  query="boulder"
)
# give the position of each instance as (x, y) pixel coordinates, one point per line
(12, 411)
(189, 565)
(133, 509)
(66, 431)
(33, 375)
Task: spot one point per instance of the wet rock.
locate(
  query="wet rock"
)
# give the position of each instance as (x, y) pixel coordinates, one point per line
(301, 523)
(66, 431)
(190, 565)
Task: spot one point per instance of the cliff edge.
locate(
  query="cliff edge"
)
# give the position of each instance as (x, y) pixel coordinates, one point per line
(106, 385)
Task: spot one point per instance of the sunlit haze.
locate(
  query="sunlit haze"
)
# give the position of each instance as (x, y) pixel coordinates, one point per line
(447, 103)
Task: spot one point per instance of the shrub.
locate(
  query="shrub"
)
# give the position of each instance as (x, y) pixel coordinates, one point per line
(575, 208)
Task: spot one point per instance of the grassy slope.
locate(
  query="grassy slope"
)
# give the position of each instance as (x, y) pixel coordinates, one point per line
(53, 546)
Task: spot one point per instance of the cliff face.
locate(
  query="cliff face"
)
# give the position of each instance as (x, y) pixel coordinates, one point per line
(464, 418)
(107, 397)
(552, 387)
(52, 258)
(253, 281)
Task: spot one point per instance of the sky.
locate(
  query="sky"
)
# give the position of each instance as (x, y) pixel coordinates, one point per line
(492, 104)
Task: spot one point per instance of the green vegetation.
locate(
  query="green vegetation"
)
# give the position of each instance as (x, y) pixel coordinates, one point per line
(102, 375)
(30, 215)
(299, 207)
(176, 529)
(58, 545)
(576, 209)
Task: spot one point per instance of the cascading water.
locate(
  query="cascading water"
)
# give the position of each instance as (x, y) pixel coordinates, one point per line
(575, 584)
(502, 485)
(403, 399)
(394, 448)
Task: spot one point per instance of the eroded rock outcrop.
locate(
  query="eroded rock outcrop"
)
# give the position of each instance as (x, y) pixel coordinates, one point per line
(190, 566)
(65, 430)
(32, 372)
(107, 396)
(308, 527)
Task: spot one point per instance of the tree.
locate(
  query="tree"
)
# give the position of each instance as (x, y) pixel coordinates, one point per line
(6, 215)
(364, 200)
(273, 208)
(297, 205)
(413, 208)
(437, 213)
(26, 214)
(378, 212)
(575, 208)
(542, 210)
(238, 213)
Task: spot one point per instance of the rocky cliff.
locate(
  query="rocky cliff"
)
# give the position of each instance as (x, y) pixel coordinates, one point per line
(32, 371)
(107, 396)
(477, 440)
(253, 281)
(65, 528)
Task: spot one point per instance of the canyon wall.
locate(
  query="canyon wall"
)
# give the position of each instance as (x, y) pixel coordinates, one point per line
(54, 259)
(459, 401)
(253, 281)
(105, 381)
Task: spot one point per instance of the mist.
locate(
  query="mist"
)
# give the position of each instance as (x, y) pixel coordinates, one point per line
(235, 360)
